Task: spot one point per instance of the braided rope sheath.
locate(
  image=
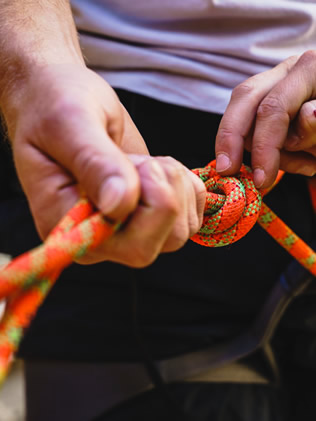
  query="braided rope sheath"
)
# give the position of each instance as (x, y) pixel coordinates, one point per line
(233, 205)
(231, 209)
(28, 278)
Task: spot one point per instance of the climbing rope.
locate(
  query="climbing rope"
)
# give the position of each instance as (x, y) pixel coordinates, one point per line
(27, 279)
(233, 205)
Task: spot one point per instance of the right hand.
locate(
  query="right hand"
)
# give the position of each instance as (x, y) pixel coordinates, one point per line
(69, 131)
(66, 133)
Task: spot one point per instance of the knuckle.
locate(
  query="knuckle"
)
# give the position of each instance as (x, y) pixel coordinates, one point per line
(306, 117)
(169, 205)
(224, 137)
(84, 160)
(289, 62)
(261, 150)
(194, 225)
(177, 239)
(168, 160)
(200, 189)
(200, 198)
(271, 106)
(60, 113)
(173, 168)
(58, 124)
(246, 88)
(173, 173)
(115, 126)
(308, 57)
(142, 256)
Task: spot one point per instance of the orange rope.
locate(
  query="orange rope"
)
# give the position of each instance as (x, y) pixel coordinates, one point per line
(240, 207)
(233, 205)
(26, 280)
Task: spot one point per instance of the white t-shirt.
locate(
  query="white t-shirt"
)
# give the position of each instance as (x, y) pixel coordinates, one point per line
(191, 52)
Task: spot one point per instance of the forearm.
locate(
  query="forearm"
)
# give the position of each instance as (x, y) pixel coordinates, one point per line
(33, 33)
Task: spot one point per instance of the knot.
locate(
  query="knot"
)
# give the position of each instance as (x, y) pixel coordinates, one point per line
(232, 206)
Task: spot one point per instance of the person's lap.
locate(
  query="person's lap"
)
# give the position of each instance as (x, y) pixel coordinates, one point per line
(218, 402)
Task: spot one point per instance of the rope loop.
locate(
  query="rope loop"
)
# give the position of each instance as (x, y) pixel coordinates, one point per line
(232, 206)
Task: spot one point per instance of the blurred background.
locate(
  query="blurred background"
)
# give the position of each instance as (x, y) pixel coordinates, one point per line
(12, 402)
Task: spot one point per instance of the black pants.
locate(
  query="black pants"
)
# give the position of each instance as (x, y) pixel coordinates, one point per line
(294, 343)
(63, 392)
(70, 391)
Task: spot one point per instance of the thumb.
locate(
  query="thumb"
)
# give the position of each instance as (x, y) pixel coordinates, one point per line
(103, 171)
(106, 175)
(82, 149)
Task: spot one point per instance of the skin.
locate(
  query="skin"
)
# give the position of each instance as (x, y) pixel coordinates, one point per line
(272, 114)
(71, 135)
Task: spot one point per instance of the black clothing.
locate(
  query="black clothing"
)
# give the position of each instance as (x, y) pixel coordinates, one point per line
(186, 300)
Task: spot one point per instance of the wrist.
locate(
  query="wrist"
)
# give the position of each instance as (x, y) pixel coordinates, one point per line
(18, 82)
(44, 37)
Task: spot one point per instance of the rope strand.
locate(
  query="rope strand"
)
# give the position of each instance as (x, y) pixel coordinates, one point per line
(232, 207)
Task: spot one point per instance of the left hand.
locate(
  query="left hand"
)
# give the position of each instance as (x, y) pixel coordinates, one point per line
(170, 211)
(273, 115)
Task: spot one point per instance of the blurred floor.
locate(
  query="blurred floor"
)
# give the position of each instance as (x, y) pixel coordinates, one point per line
(12, 403)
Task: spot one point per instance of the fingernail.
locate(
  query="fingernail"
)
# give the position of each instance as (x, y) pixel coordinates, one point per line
(222, 162)
(111, 194)
(259, 177)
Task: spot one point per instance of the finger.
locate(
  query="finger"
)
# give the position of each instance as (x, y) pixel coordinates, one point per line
(298, 163)
(274, 115)
(200, 197)
(183, 192)
(240, 114)
(187, 187)
(141, 240)
(82, 146)
(61, 190)
(302, 135)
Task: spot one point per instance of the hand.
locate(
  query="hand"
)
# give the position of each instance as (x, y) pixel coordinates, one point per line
(272, 115)
(67, 134)
(170, 211)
